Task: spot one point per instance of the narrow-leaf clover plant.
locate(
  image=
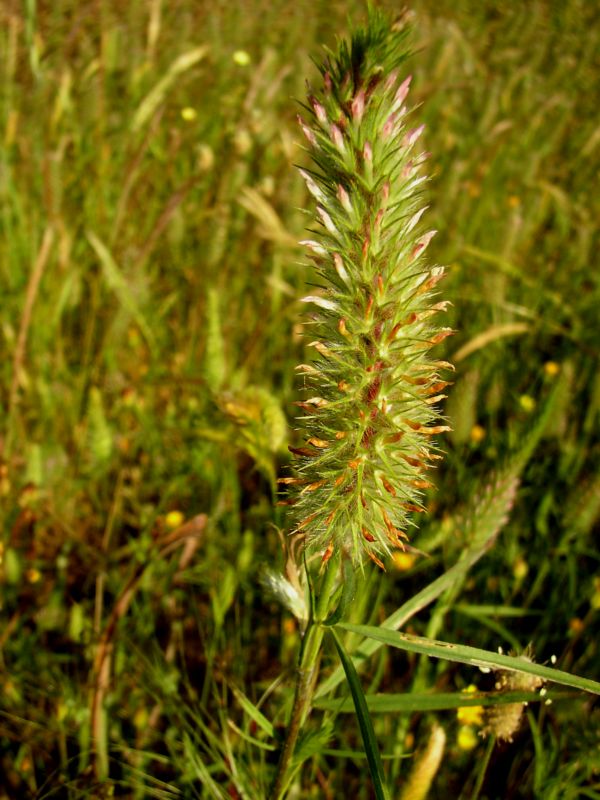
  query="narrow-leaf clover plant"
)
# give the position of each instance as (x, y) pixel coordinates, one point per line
(372, 389)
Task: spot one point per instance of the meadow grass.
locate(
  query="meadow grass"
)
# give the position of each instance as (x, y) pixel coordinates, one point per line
(150, 325)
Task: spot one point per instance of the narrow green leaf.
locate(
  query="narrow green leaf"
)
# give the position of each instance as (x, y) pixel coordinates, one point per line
(476, 611)
(99, 439)
(357, 755)
(313, 742)
(215, 362)
(155, 97)
(410, 703)
(251, 739)
(151, 786)
(470, 655)
(200, 770)
(364, 721)
(117, 282)
(253, 712)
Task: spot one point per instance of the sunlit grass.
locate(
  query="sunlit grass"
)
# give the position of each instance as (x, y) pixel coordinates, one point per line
(149, 328)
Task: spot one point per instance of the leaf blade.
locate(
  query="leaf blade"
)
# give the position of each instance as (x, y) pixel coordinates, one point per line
(472, 656)
(364, 721)
(158, 93)
(118, 284)
(413, 702)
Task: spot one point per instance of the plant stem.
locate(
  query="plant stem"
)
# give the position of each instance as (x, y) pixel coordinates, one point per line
(306, 679)
(483, 767)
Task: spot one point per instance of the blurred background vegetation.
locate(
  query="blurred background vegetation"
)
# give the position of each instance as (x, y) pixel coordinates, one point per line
(149, 329)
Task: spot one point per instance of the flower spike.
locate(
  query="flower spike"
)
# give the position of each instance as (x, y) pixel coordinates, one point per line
(370, 414)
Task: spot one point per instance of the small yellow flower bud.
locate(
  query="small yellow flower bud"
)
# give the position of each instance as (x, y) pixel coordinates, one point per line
(477, 434)
(403, 561)
(551, 368)
(174, 519)
(241, 58)
(470, 715)
(520, 569)
(188, 114)
(33, 575)
(467, 739)
(527, 403)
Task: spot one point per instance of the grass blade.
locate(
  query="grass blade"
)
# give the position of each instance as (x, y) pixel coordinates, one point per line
(409, 703)
(257, 716)
(156, 95)
(470, 655)
(364, 721)
(492, 334)
(117, 282)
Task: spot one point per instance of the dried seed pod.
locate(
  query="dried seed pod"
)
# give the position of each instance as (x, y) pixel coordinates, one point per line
(505, 720)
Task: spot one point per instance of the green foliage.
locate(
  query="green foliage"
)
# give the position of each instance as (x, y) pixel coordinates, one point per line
(149, 284)
(471, 655)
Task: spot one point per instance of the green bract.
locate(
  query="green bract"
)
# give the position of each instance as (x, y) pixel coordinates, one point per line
(373, 386)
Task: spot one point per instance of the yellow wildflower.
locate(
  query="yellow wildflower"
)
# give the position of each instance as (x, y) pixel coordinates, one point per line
(403, 561)
(520, 568)
(477, 434)
(470, 715)
(527, 403)
(467, 738)
(33, 575)
(241, 58)
(174, 519)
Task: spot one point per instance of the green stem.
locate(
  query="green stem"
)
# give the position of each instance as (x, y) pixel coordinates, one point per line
(483, 768)
(306, 679)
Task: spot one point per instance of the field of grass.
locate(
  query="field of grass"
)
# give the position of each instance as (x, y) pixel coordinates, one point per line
(150, 326)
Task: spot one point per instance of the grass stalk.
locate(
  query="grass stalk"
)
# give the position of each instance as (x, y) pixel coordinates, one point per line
(306, 679)
(33, 286)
